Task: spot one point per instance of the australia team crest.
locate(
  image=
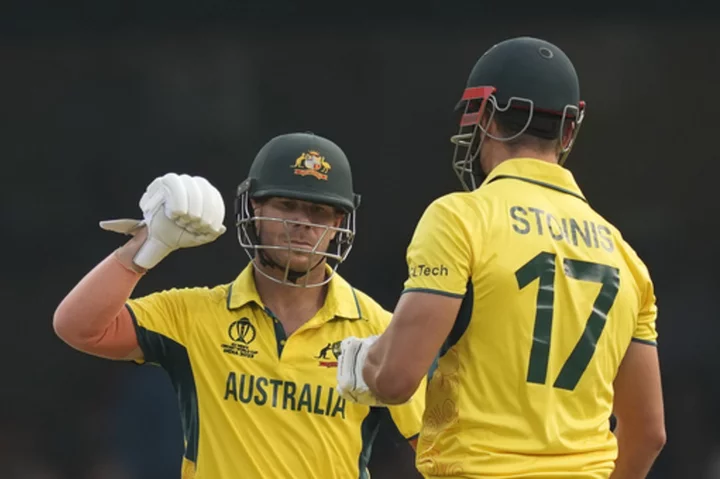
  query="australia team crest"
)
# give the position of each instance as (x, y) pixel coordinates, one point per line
(312, 163)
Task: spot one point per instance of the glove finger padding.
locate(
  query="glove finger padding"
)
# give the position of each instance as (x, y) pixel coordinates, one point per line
(346, 362)
(153, 198)
(214, 208)
(175, 196)
(193, 217)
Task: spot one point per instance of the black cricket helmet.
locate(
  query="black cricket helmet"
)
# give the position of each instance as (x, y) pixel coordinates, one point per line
(529, 84)
(300, 166)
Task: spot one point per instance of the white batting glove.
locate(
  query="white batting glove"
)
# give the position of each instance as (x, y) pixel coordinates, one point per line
(350, 382)
(180, 211)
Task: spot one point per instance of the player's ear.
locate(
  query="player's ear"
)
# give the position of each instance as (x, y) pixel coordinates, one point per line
(568, 134)
(493, 128)
(488, 122)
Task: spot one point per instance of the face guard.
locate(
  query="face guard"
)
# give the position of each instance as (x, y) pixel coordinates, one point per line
(246, 223)
(472, 132)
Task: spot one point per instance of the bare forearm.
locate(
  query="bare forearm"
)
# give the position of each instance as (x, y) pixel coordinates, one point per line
(373, 362)
(636, 454)
(383, 378)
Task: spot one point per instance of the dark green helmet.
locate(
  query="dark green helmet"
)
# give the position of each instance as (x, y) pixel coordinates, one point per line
(528, 83)
(528, 68)
(303, 166)
(300, 166)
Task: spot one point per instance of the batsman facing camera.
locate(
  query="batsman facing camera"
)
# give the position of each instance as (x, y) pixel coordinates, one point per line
(294, 214)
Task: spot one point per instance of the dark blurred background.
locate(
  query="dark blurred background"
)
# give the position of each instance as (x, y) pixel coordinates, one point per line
(99, 98)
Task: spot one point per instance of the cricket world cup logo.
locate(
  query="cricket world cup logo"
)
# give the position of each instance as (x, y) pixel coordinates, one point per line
(242, 331)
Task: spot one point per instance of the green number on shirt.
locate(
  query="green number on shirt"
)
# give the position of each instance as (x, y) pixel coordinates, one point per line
(542, 268)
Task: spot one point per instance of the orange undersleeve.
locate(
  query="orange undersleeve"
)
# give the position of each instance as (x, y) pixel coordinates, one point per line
(92, 317)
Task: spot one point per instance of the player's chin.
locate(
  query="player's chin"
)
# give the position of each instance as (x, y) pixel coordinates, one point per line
(291, 260)
(302, 262)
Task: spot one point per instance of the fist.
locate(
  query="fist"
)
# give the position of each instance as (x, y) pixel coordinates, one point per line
(350, 382)
(179, 211)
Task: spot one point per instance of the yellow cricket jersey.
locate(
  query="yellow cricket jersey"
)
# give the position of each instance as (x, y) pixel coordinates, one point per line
(255, 403)
(553, 296)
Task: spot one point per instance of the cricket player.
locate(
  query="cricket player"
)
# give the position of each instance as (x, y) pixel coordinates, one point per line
(541, 314)
(252, 361)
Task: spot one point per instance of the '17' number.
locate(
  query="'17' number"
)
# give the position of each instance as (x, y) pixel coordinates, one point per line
(542, 267)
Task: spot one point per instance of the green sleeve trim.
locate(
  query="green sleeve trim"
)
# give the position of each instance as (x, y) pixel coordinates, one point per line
(433, 291)
(645, 341)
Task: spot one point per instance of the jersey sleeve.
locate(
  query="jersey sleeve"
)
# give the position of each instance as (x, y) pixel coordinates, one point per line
(408, 416)
(645, 331)
(162, 324)
(440, 253)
